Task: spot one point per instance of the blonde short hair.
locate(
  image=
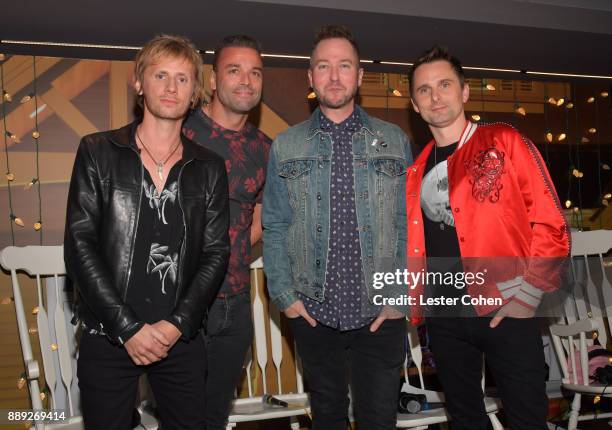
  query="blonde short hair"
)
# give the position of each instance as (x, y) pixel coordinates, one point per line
(165, 45)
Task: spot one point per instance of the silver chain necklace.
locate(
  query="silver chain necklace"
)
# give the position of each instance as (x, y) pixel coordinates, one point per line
(160, 164)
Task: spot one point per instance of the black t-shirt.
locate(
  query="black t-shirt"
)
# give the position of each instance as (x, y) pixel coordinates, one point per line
(441, 243)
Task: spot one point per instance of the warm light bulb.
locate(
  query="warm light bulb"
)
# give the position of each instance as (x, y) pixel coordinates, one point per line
(576, 209)
(604, 202)
(592, 130)
(605, 166)
(37, 226)
(35, 310)
(476, 117)
(560, 101)
(568, 204)
(585, 140)
(590, 99)
(311, 95)
(32, 330)
(10, 177)
(576, 172)
(397, 93)
(26, 98)
(521, 111)
(21, 383)
(54, 347)
(490, 87)
(561, 137)
(549, 137)
(608, 196)
(604, 94)
(569, 105)
(35, 134)
(552, 101)
(7, 97)
(18, 221)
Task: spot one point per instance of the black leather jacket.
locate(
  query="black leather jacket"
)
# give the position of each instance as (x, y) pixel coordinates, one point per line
(101, 224)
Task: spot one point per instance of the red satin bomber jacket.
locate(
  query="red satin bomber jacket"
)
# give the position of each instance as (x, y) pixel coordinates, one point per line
(504, 205)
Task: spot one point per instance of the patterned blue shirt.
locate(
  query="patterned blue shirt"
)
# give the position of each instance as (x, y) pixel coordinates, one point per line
(344, 284)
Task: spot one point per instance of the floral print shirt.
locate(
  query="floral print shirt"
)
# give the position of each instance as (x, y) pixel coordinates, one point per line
(246, 158)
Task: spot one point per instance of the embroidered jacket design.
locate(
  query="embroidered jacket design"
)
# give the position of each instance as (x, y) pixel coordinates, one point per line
(485, 170)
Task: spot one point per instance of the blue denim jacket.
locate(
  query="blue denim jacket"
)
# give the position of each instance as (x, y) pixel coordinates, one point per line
(296, 206)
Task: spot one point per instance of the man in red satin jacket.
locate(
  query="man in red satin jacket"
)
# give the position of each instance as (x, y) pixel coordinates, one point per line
(480, 201)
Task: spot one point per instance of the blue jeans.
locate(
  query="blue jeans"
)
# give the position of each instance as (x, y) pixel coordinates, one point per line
(229, 333)
(373, 361)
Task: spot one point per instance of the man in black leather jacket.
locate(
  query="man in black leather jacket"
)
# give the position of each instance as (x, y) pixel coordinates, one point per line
(146, 245)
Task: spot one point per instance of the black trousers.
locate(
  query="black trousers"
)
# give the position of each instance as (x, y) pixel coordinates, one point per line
(108, 380)
(373, 361)
(229, 333)
(513, 352)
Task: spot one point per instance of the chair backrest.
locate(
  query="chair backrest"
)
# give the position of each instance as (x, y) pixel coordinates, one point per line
(56, 336)
(272, 355)
(587, 310)
(592, 291)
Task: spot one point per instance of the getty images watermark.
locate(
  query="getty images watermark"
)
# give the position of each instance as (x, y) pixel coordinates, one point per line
(411, 279)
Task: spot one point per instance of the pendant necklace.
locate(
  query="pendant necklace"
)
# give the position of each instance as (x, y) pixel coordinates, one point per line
(159, 164)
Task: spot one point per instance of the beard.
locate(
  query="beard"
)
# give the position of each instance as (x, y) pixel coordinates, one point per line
(336, 102)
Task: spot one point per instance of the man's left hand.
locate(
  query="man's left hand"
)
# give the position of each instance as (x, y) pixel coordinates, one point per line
(169, 330)
(512, 309)
(388, 313)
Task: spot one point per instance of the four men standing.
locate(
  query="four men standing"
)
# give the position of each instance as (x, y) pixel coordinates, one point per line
(149, 230)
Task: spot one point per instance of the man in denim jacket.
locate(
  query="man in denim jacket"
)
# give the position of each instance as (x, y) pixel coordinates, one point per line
(334, 217)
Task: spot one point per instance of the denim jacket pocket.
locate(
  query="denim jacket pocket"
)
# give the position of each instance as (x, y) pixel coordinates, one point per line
(298, 178)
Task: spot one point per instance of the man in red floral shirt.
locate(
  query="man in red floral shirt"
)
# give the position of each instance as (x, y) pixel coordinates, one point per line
(222, 126)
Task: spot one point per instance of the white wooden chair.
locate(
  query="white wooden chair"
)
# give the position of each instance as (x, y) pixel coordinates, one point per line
(586, 316)
(55, 333)
(425, 418)
(251, 407)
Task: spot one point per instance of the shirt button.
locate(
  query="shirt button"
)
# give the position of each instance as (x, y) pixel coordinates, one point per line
(414, 169)
(317, 294)
(318, 196)
(416, 250)
(415, 221)
(456, 210)
(319, 228)
(318, 262)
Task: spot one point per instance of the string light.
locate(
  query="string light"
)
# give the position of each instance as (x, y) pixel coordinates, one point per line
(592, 130)
(17, 220)
(569, 105)
(26, 98)
(560, 101)
(10, 177)
(585, 139)
(21, 382)
(576, 209)
(35, 134)
(521, 111)
(32, 330)
(568, 203)
(6, 301)
(13, 136)
(552, 101)
(30, 184)
(54, 347)
(590, 99)
(476, 117)
(6, 96)
(35, 310)
(549, 137)
(605, 166)
(604, 202)
(311, 95)
(2, 57)
(490, 87)
(561, 137)
(395, 92)
(608, 196)
(37, 225)
(604, 94)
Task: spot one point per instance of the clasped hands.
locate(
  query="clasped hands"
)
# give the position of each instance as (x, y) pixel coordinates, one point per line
(152, 342)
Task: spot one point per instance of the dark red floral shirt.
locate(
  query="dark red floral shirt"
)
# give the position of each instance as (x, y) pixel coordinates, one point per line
(246, 158)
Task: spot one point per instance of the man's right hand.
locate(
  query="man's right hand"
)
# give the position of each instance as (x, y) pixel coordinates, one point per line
(297, 309)
(147, 346)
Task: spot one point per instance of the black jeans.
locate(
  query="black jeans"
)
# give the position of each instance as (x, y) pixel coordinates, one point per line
(373, 361)
(513, 352)
(229, 333)
(108, 380)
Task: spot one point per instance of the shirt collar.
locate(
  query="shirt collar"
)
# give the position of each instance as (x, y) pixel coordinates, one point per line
(350, 124)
